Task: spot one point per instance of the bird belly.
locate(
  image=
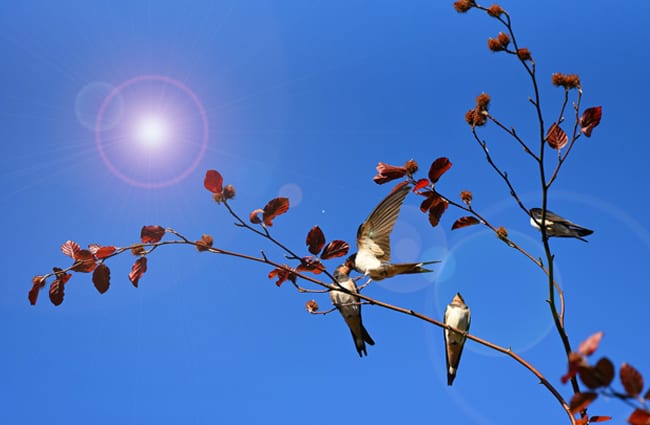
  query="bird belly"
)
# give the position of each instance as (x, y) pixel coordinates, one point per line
(366, 261)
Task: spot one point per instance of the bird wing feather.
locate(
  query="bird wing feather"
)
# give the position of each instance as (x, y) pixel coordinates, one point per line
(374, 233)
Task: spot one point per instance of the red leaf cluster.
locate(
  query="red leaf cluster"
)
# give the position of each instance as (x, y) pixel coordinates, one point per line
(600, 375)
(556, 137)
(578, 360)
(316, 240)
(85, 261)
(310, 264)
(579, 402)
(435, 205)
(151, 234)
(137, 270)
(213, 182)
(283, 274)
(590, 119)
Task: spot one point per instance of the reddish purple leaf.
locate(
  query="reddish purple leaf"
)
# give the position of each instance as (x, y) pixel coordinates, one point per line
(274, 208)
(590, 119)
(464, 222)
(600, 375)
(37, 283)
(590, 345)
(315, 240)
(335, 249)
(631, 379)
(437, 209)
(104, 251)
(56, 291)
(421, 184)
(575, 362)
(639, 417)
(556, 137)
(152, 234)
(438, 168)
(282, 274)
(213, 181)
(70, 248)
(138, 269)
(85, 262)
(595, 419)
(430, 198)
(580, 401)
(101, 278)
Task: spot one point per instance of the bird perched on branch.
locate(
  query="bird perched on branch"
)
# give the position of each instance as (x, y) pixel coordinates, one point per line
(373, 240)
(457, 315)
(558, 226)
(350, 308)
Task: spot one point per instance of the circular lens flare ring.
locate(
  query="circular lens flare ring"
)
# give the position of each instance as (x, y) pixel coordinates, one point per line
(151, 130)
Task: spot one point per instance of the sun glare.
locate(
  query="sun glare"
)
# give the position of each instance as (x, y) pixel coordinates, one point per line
(151, 132)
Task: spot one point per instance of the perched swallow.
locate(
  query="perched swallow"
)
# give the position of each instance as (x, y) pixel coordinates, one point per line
(350, 308)
(373, 240)
(558, 226)
(457, 315)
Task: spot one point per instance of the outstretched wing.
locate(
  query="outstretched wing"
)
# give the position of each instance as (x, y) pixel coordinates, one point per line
(374, 233)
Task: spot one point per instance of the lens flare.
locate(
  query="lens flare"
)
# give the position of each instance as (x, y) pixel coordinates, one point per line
(151, 132)
(163, 134)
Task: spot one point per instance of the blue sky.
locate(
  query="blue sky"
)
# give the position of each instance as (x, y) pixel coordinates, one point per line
(303, 99)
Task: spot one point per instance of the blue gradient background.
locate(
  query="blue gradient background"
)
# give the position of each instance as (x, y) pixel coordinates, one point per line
(304, 98)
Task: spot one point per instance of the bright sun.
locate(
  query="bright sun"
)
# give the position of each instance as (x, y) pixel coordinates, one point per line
(151, 132)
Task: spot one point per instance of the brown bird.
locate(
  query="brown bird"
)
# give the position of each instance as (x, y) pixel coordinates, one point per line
(558, 226)
(373, 240)
(457, 315)
(350, 308)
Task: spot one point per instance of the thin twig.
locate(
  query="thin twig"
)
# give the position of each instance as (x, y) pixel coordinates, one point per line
(511, 131)
(502, 174)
